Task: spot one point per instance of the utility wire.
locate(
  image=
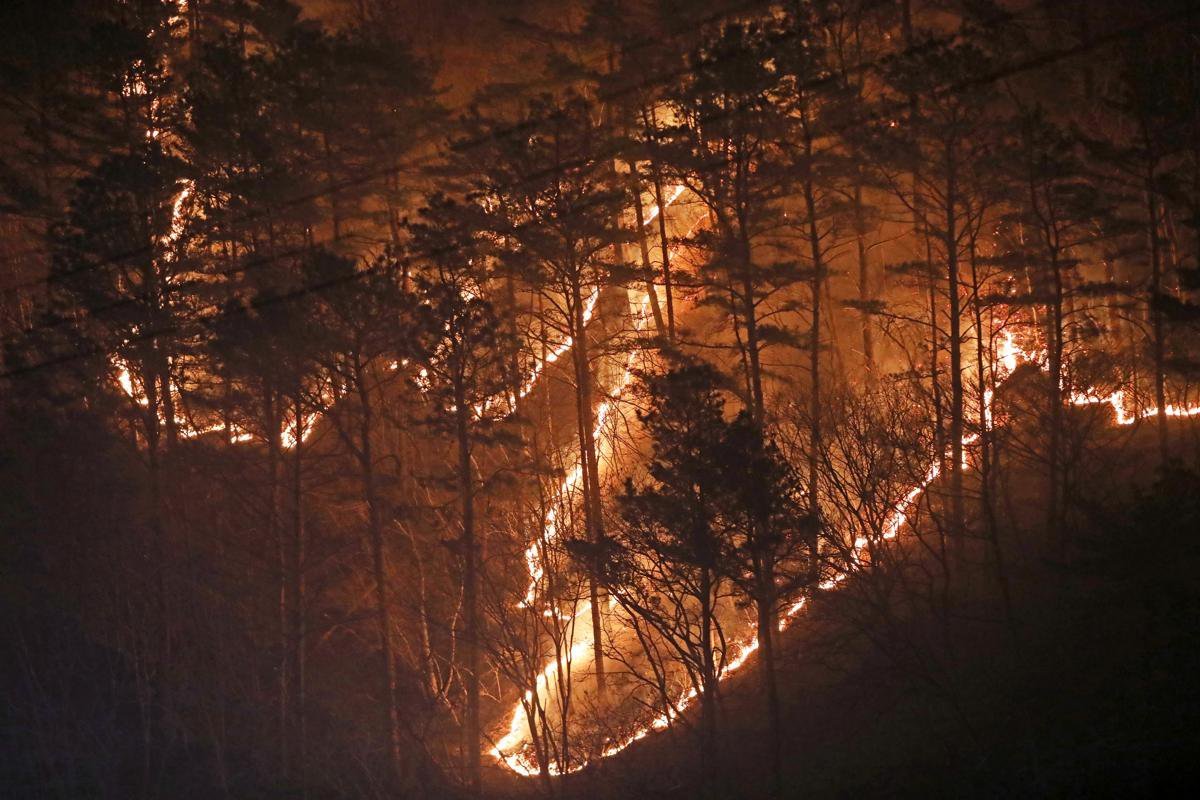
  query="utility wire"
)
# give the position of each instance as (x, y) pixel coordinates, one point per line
(530, 124)
(1035, 62)
(367, 176)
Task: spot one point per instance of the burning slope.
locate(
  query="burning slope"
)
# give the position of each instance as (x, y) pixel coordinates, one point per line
(298, 430)
(512, 748)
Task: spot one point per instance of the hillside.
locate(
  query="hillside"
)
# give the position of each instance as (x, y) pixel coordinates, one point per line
(1086, 691)
(467, 399)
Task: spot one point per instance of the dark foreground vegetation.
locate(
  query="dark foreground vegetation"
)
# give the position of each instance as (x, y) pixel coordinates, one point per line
(1081, 685)
(598, 398)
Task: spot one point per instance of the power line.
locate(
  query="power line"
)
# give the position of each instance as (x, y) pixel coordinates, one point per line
(427, 138)
(999, 74)
(661, 79)
(528, 124)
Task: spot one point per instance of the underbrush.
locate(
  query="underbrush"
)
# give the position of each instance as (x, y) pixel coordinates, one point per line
(1082, 683)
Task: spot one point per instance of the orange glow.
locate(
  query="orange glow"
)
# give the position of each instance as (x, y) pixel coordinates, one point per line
(510, 749)
(1124, 416)
(589, 308)
(1008, 354)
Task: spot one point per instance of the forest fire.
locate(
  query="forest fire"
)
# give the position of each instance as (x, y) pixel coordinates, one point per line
(406, 400)
(1121, 409)
(508, 749)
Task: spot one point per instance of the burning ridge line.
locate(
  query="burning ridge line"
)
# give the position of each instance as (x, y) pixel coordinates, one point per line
(1009, 357)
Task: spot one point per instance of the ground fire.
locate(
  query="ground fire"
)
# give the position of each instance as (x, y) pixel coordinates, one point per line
(601, 398)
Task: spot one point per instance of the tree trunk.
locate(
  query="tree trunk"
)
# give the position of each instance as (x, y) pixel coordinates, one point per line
(647, 265)
(920, 230)
(168, 399)
(1055, 359)
(957, 514)
(466, 478)
(814, 345)
(708, 688)
(750, 321)
(335, 214)
(391, 716)
(299, 619)
(1157, 328)
(664, 244)
(149, 683)
(590, 468)
(766, 646)
(986, 501)
(271, 428)
(864, 284)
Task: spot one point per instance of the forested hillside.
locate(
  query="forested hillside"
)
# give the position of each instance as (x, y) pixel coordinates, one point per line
(601, 398)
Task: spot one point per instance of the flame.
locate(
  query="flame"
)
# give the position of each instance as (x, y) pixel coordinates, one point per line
(177, 216)
(125, 381)
(1124, 416)
(589, 309)
(571, 481)
(653, 215)
(297, 433)
(1008, 353)
(1009, 356)
(509, 749)
(518, 727)
(293, 432)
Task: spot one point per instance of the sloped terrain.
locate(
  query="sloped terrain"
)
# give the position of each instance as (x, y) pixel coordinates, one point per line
(1089, 689)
